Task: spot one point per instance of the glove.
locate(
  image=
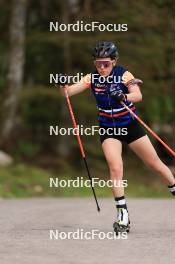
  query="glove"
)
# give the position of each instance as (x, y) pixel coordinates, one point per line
(119, 96)
(62, 79)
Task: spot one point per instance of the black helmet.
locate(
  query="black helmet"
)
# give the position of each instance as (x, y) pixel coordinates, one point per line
(105, 49)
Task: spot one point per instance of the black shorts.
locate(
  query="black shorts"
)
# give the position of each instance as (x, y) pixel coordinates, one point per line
(127, 133)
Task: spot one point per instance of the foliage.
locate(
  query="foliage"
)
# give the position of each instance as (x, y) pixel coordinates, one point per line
(147, 50)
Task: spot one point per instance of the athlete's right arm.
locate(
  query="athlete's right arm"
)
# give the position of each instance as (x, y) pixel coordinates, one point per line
(78, 87)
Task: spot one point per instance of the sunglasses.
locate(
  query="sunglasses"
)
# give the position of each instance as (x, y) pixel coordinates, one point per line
(104, 64)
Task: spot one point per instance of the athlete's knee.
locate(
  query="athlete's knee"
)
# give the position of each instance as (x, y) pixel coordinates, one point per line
(116, 171)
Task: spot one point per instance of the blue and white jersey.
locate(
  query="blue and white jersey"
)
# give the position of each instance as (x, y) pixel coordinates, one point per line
(111, 113)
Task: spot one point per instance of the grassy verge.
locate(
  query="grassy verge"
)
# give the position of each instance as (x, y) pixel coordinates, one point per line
(26, 181)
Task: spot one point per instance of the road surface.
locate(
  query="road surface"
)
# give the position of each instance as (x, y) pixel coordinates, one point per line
(26, 225)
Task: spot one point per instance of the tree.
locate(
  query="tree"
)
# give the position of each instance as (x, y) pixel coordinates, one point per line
(16, 66)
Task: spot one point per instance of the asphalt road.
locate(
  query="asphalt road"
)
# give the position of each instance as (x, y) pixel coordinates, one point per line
(25, 227)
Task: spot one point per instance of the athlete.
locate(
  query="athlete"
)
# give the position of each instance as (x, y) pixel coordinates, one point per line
(111, 85)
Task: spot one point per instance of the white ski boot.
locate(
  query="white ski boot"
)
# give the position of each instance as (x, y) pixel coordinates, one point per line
(123, 223)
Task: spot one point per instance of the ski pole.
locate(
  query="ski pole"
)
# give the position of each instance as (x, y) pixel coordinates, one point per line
(80, 144)
(149, 129)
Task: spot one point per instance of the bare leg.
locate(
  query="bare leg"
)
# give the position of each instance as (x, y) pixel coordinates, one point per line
(112, 149)
(145, 150)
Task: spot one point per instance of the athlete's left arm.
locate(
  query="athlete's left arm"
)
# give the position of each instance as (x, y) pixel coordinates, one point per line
(134, 94)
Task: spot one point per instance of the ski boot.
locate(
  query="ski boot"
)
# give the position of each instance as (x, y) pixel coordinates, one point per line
(123, 223)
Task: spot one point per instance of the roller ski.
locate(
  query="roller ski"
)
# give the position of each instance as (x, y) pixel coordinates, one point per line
(123, 223)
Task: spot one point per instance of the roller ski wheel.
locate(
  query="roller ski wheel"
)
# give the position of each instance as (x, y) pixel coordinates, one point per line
(118, 228)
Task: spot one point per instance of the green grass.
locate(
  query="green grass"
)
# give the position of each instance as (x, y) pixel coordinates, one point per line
(26, 181)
